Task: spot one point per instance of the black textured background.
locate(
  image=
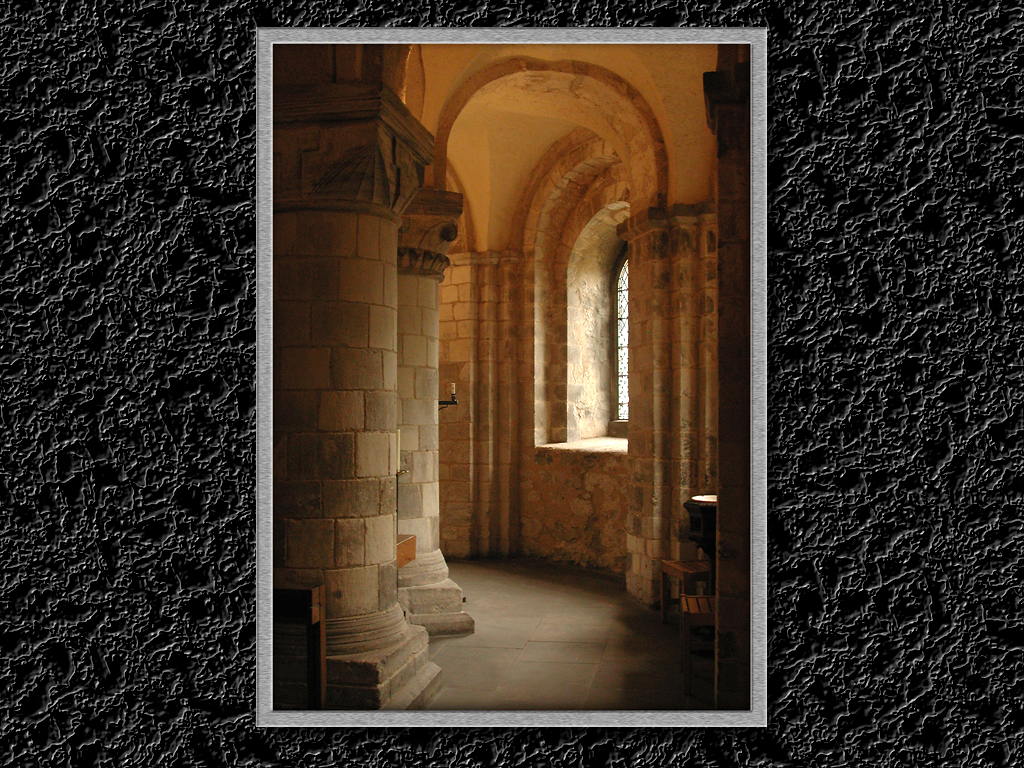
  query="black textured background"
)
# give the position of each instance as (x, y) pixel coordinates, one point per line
(127, 427)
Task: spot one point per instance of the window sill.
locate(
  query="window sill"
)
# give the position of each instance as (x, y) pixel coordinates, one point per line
(590, 445)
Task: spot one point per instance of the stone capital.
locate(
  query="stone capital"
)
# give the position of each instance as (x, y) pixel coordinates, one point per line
(416, 261)
(342, 143)
(431, 221)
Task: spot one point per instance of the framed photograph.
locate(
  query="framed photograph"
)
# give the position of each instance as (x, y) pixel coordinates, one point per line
(512, 377)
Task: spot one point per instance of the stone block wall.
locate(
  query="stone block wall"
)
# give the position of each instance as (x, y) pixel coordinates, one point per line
(693, 406)
(479, 332)
(574, 506)
(428, 596)
(459, 527)
(651, 374)
(708, 355)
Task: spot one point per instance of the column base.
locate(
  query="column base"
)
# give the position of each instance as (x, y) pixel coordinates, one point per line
(427, 568)
(437, 607)
(397, 677)
(444, 624)
(417, 693)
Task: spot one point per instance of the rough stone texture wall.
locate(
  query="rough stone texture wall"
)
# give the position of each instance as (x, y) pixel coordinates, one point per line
(127, 600)
(574, 506)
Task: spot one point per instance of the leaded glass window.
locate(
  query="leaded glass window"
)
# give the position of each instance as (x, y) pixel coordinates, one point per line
(622, 340)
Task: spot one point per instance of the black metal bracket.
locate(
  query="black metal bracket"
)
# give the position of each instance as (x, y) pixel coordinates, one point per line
(442, 404)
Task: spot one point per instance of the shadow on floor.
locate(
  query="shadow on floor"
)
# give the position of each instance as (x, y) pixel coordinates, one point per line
(556, 637)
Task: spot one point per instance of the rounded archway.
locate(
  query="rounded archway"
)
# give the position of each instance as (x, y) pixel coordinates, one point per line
(581, 94)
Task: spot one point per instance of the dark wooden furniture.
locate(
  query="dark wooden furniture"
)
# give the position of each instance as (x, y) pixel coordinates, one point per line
(694, 610)
(689, 572)
(306, 604)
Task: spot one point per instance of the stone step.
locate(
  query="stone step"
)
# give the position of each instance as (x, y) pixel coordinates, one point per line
(418, 692)
(442, 597)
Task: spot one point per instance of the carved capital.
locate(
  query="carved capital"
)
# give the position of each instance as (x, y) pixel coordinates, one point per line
(431, 221)
(416, 261)
(343, 143)
(689, 222)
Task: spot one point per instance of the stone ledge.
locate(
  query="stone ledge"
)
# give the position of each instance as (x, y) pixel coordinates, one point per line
(590, 445)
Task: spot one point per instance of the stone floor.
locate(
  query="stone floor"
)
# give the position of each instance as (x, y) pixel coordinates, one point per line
(552, 637)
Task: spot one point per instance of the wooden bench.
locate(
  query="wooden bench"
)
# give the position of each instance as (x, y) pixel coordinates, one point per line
(694, 610)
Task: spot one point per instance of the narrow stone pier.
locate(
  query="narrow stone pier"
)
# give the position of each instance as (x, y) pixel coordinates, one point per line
(430, 598)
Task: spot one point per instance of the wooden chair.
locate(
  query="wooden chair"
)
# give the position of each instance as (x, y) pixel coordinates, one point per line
(694, 610)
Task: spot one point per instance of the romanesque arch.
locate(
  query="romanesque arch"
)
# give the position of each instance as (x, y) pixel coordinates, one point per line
(591, 95)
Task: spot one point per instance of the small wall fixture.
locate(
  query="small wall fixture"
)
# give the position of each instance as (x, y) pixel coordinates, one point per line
(442, 404)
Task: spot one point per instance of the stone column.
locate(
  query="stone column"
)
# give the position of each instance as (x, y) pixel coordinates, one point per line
(348, 157)
(507, 412)
(429, 228)
(687, 395)
(707, 468)
(727, 94)
(650, 400)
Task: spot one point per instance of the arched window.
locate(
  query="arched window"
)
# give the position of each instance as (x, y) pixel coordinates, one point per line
(622, 342)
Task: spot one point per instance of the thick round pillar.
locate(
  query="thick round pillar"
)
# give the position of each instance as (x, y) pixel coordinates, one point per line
(336, 403)
(338, 180)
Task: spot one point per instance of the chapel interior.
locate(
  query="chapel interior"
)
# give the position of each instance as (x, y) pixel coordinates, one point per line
(511, 331)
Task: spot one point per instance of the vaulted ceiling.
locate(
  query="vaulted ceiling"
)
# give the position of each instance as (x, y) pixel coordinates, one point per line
(496, 109)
